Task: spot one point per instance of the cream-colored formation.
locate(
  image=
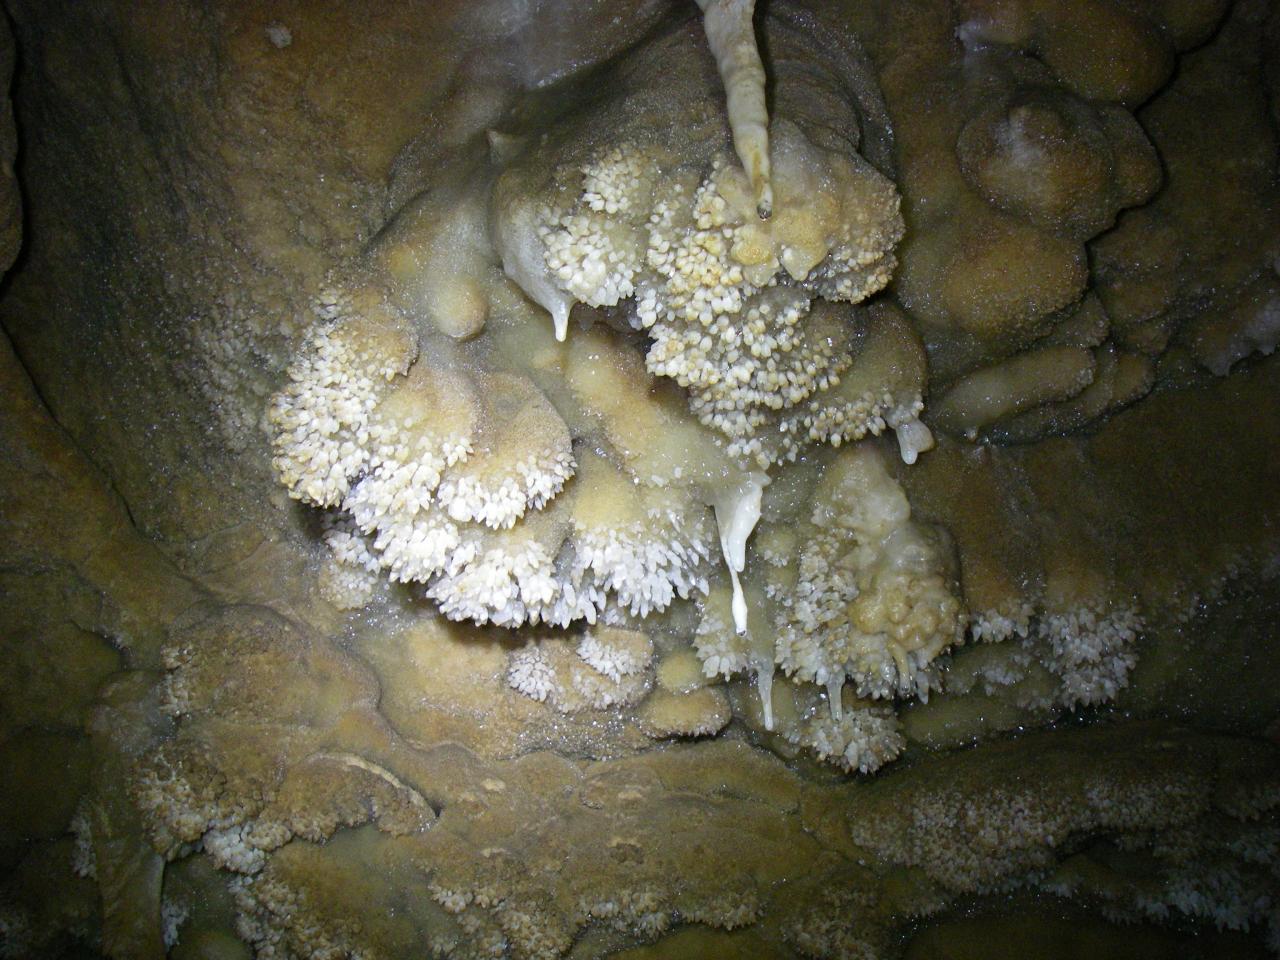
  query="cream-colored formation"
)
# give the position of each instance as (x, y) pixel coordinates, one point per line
(874, 597)
(522, 482)
(854, 591)
(352, 571)
(739, 311)
(608, 671)
(856, 734)
(731, 35)
(724, 368)
(451, 479)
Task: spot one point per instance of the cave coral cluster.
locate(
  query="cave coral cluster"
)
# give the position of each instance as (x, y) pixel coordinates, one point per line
(741, 311)
(720, 359)
(527, 481)
(733, 355)
(452, 478)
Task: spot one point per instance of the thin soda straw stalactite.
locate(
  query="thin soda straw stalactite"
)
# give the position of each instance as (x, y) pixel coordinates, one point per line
(732, 38)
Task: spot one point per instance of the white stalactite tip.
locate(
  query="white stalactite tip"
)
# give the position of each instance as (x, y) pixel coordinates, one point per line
(560, 318)
(764, 687)
(732, 38)
(737, 511)
(914, 438)
(835, 691)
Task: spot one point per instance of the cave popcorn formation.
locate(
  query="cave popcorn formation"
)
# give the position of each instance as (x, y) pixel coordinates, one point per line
(459, 478)
(857, 592)
(725, 294)
(472, 482)
(741, 311)
(874, 601)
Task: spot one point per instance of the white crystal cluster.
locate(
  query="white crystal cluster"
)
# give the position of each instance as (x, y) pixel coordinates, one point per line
(873, 599)
(1059, 660)
(610, 668)
(857, 593)
(726, 297)
(859, 740)
(452, 479)
(351, 572)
